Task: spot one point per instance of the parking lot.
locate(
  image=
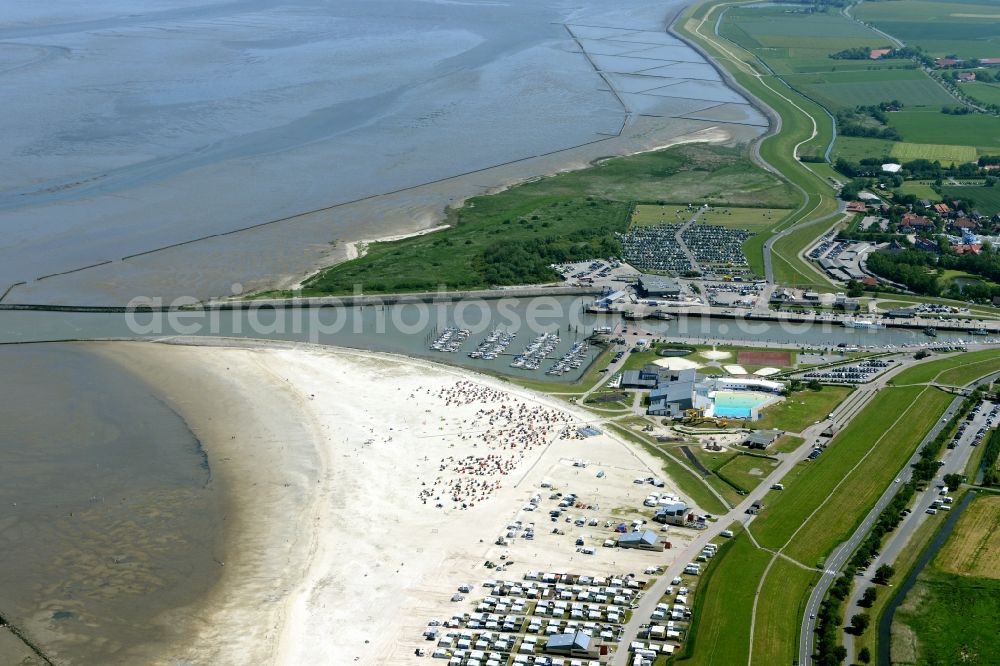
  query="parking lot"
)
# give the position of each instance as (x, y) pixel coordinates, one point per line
(855, 373)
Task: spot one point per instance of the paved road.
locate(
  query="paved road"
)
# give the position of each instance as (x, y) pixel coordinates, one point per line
(954, 463)
(641, 615)
(838, 418)
(839, 557)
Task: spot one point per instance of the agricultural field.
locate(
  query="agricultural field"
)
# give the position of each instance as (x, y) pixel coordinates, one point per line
(846, 90)
(752, 219)
(930, 126)
(985, 199)
(987, 93)
(972, 548)
(965, 29)
(854, 148)
(905, 152)
(791, 35)
(723, 605)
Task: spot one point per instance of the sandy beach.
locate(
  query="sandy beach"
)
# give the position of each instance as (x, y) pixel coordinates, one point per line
(364, 489)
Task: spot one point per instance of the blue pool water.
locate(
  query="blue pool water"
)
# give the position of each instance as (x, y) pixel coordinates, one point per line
(732, 404)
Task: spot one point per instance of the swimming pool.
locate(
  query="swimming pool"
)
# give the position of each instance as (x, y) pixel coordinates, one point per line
(740, 405)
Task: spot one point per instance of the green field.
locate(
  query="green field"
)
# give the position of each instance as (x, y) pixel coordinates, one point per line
(855, 148)
(905, 152)
(966, 29)
(985, 199)
(747, 471)
(930, 126)
(787, 510)
(930, 370)
(780, 606)
(512, 237)
(918, 188)
(752, 219)
(889, 451)
(846, 90)
(720, 634)
(948, 619)
(964, 374)
(949, 616)
(803, 408)
(987, 93)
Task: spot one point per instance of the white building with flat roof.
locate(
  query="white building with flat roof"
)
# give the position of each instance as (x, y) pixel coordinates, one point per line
(747, 384)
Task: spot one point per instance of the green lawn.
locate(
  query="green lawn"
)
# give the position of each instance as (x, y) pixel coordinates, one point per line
(920, 189)
(752, 219)
(780, 606)
(930, 370)
(747, 471)
(720, 623)
(962, 375)
(786, 444)
(889, 449)
(803, 408)
(788, 509)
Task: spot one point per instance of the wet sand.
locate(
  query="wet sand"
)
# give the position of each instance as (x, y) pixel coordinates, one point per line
(335, 463)
(108, 510)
